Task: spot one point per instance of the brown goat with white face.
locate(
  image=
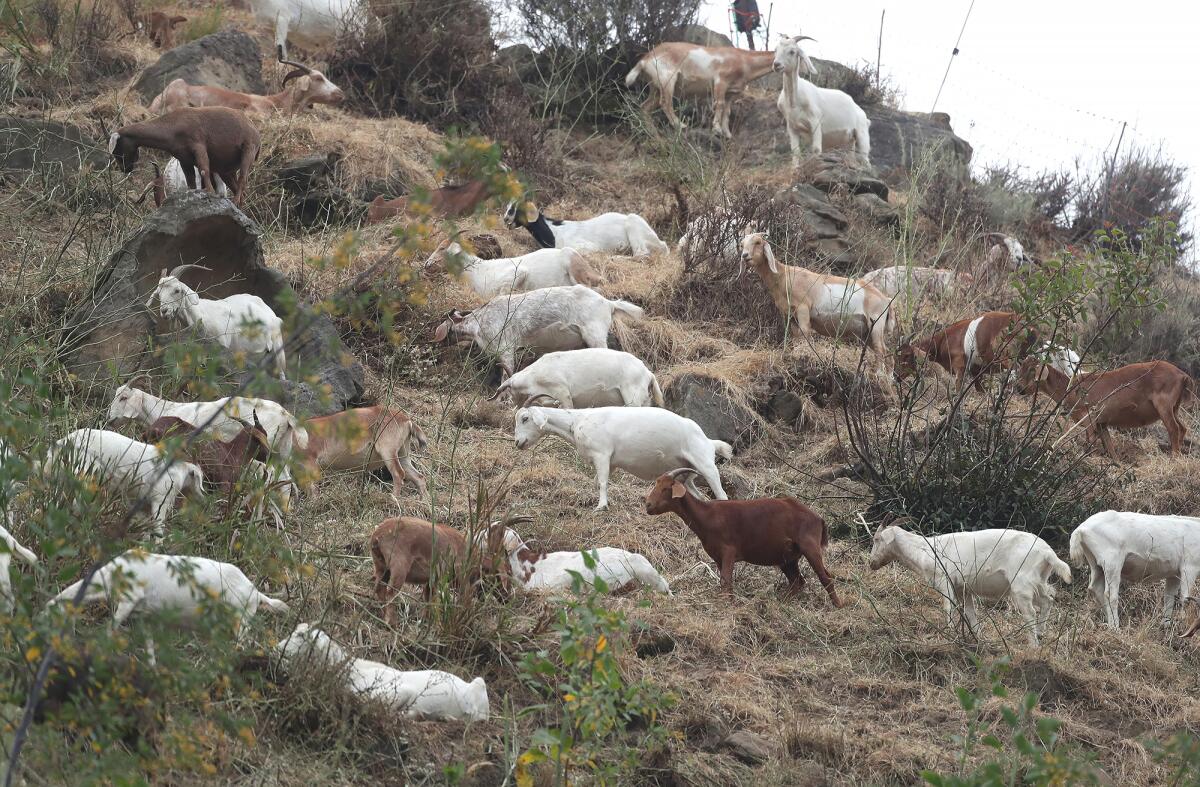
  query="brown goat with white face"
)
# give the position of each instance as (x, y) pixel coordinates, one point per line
(413, 551)
(765, 532)
(1127, 398)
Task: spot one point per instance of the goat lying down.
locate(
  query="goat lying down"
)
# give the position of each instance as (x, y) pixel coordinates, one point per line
(417, 694)
(552, 572)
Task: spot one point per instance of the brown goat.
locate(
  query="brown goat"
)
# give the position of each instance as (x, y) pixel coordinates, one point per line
(221, 461)
(765, 532)
(1135, 395)
(159, 28)
(366, 439)
(413, 551)
(974, 346)
(214, 140)
(451, 202)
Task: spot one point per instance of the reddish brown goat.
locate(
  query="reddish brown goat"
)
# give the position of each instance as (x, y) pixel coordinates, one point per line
(451, 202)
(1127, 398)
(366, 439)
(160, 28)
(413, 551)
(765, 532)
(994, 342)
(222, 462)
(211, 139)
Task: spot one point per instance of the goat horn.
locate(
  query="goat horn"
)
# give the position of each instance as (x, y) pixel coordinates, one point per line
(178, 269)
(537, 398)
(805, 38)
(299, 72)
(681, 471)
(140, 375)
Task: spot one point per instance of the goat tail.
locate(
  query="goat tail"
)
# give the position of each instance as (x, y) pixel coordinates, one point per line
(273, 604)
(1189, 389)
(580, 271)
(1077, 555)
(656, 392)
(281, 363)
(1060, 569)
(631, 310)
(632, 77)
(416, 436)
(722, 449)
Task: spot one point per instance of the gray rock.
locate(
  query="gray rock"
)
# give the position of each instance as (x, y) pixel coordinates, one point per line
(705, 401)
(112, 334)
(699, 34)
(902, 140)
(28, 144)
(749, 747)
(824, 226)
(789, 408)
(316, 196)
(881, 212)
(836, 169)
(230, 59)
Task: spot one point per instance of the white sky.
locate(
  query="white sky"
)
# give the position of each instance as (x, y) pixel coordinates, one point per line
(1039, 84)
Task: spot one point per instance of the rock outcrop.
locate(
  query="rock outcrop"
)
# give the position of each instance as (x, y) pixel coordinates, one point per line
(230, 59)
(113, 335)
(29, 144)
(706, 401)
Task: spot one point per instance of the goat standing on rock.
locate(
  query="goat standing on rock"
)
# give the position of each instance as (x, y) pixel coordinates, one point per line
(820, 116)
(240, 323)
(211, 140)
(766, 532)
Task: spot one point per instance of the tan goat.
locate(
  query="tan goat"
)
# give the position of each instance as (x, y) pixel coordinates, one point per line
(695, 70)
(366, 439)
(820, 303)
(311, 87)
(1127, 398)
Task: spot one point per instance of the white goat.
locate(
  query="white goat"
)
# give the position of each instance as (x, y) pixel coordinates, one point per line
(1137, 547)
(14, 547)
(1062, 358)
(240, 322)
(592, 377)
(644, 441)
(551, 572)
(145, 582)
(174, 182)
(615, 233)
(419, 694)
(819, 116)
(554, 318)
(716, 234)
(311, 23)
(229, 415)
(1006, 253)
(992, 564)
(534, 271)
(915, 280)
(131, 466)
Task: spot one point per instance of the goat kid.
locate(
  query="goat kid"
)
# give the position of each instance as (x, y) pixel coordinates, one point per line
(159, 28)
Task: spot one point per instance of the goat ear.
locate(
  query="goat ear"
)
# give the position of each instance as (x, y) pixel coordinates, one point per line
(442, 331)
(113, 139)
(770, 257)
(678, 490)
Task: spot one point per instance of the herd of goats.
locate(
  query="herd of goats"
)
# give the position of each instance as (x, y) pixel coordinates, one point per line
(606, 403)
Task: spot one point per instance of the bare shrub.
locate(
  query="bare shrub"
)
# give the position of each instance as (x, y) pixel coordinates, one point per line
(592, 26)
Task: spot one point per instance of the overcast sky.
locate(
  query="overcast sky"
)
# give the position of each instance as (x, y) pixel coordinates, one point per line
(1036, 83)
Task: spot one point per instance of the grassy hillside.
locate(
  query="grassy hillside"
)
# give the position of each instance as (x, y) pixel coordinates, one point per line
(866, 694)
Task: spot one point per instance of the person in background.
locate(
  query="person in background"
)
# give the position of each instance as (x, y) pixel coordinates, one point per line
(748, 18)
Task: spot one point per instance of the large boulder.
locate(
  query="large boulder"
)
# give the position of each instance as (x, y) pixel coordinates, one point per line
(824, 225)
(313, 184)
(113, 335)
(837, 169)
(901, 141)
(28, 144)
(230, 59)
(699, 34)
(707, 401)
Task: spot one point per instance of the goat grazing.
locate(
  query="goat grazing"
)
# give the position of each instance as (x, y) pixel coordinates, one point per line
(1136, 547)
(974, 346)
(592, 377)
(1006, 253)
(311, 87)
(228, 415)
(366, 439)
(643, 441)
(132, 466)
(408, 550)
(819, 116)
(450, 202)
(554, 318)
(694, 70)
(764, 532)
(138, 581)
(991, 564)
(159, 28)
(614, 233)
(534, 271)
(821, 303)
(240, 322)
(916, 281)
(1126, 398)
(553, 572)
(418, 694)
